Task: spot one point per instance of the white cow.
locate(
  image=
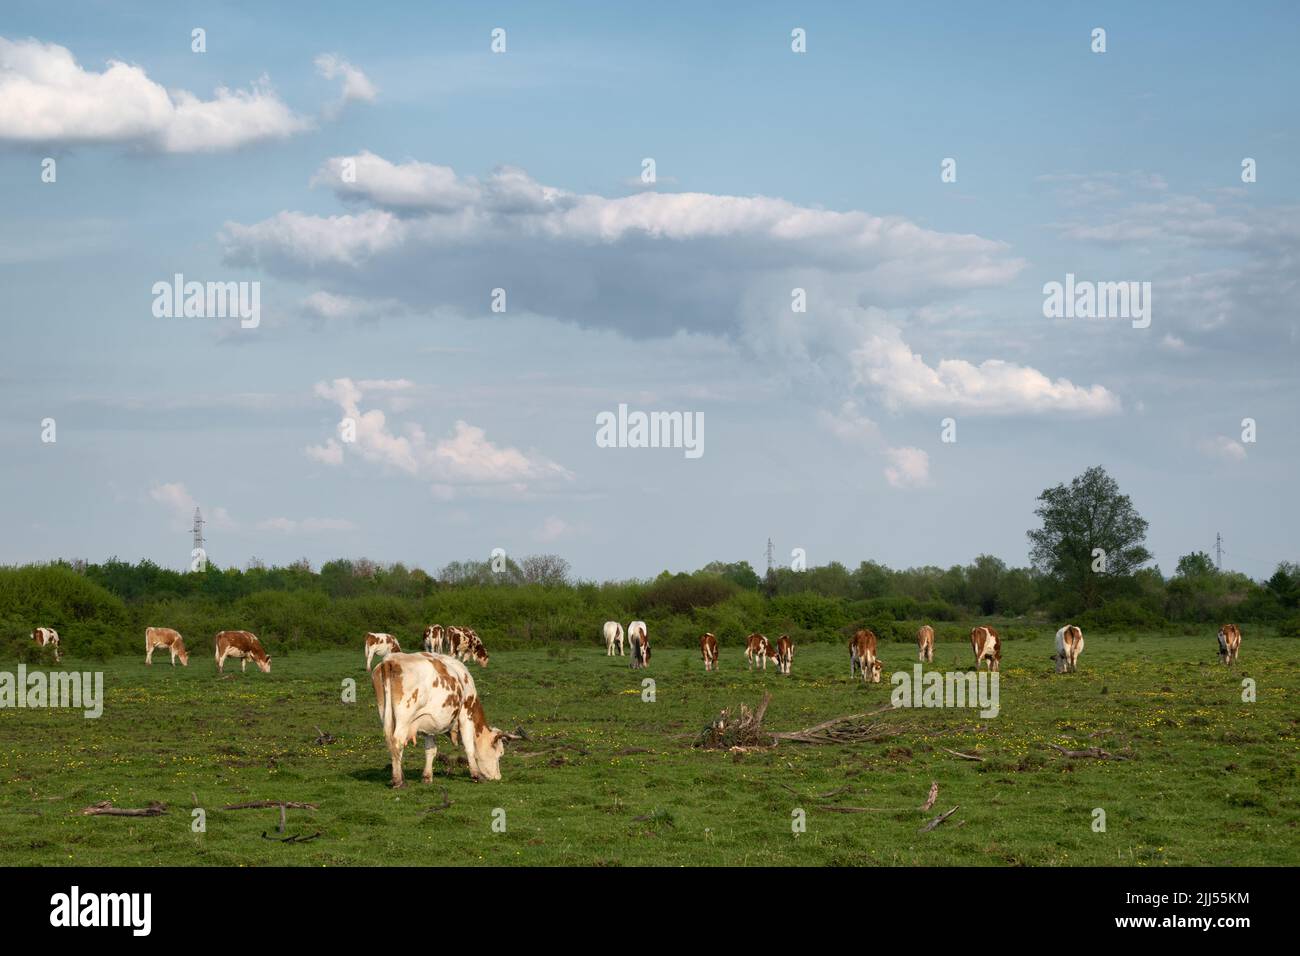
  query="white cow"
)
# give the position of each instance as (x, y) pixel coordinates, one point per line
(636, 636)
(47, 637)
(1069, 645)
(613, 636)
(431, 694)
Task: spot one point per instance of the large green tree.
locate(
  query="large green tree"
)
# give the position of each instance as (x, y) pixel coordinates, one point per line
(1079, 518)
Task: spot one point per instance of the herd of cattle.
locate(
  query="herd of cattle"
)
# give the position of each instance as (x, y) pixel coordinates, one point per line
(432, 693)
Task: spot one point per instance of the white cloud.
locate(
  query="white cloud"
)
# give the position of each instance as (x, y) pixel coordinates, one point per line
(1222, 447)
(464, 459)
(553, 529)
(357, 87)
(849, 424)
(908, 467)
(993, 387)
(46, 97)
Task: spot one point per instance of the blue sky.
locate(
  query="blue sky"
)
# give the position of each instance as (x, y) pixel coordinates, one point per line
(520, 170)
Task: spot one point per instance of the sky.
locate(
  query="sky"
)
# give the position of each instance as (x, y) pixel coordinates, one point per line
(461, 263)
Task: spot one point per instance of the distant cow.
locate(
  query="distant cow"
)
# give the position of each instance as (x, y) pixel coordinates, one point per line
(925, 643)
(613, 636)
(244, 646)
(862, 656)
(784, 653)
(1229, 643)
(1069, 645)
(47, 637)
(463, 644)
(757, 649)
(639, 643)
(168, 639)
(380, 645)
(986, 644)
(430, 694)
(433, 638)
(709, 651)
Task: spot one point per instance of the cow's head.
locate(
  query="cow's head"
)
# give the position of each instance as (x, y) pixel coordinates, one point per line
(876, 668)
(480, 655)
(183, 655)
(489, 747)
(264, 663)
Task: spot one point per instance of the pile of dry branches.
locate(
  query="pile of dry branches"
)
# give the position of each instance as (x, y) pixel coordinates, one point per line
(745, 730)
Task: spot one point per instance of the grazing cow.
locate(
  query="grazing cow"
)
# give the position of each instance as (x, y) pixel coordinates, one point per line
(242, 645)
(757, 650)
(640, 644)
(48, 637)
(709, 651)
(986, 644)
(167, 638)
(925, 643)
(613, 636)
(784, 653)
(862, 656)
(1229, 643)
(1069, 645)
(463, 644)
(380, 645)
(430, 694)
(433, 638)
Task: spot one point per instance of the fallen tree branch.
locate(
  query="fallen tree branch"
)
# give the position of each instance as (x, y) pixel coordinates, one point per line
(831, 809)
(263, 804)
(446, 802)
(958, 753)
(324, 738)
(938, 820)
(105, 808)
(297, 838)
(934, 795)
(1094, 752)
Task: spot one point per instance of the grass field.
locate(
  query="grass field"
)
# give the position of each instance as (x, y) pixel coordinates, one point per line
(608, 779)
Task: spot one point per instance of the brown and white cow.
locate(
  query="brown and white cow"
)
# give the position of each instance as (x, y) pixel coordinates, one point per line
(463, 644)
(433, 639)
(244, 646)
(1229, 643)
(709, 651)
(862, 656)
(757, 650)
(431, 694)
(47, 637)
(167, 639)
(1069, 645)
(784, 653)
(380, 645)
(925, 643)
(613, 632)
(639, 643)
(986, 644)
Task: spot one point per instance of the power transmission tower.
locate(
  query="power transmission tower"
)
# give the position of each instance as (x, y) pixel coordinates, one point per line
(1218, 551)
(771, 554)
(198, 530)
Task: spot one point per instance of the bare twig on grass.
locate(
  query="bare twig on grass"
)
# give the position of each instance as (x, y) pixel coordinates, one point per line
(746, 731)
(105, 808)
(1094, 752)
(446, 802)
(324, 738)
(296, 838)
(831, 809)
(263, 804)
(938, 820)
(958, 753)
(934, 795)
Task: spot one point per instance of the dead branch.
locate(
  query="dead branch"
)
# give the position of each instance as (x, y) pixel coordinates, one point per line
(1094, 752)
(263, 804)
(938, 820)
(105, 808)
(831, 809)
(324, 738)
(934, 795)
(296, 838)
(958, 753)
(744, 731)
(446, 802)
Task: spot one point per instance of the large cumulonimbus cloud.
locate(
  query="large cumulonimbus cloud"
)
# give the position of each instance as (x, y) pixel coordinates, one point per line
(47, 98)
